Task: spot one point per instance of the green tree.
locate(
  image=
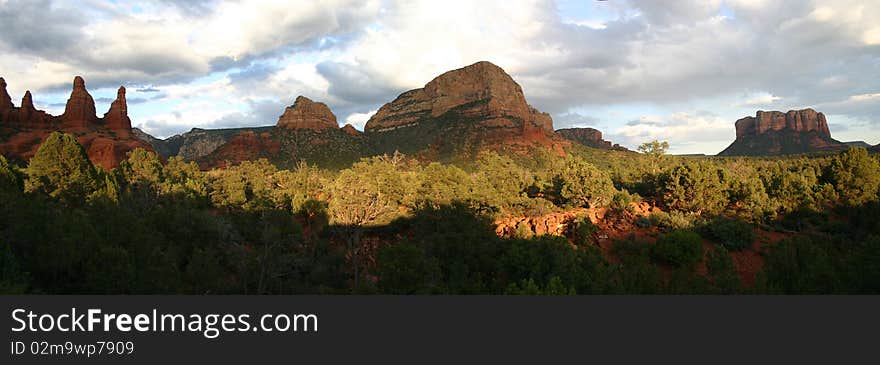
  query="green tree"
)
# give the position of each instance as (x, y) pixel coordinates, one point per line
(61, 169)
(655, 150)
(405, 269)
(370, 192)
(693, 187)
(680, 248)
(722, 272)
(8, 177)
(855, 176)
(584, 185)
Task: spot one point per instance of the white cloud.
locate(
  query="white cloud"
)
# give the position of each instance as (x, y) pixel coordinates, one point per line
(762, 99)
(685, 132)
(359, 120)
(355, 55)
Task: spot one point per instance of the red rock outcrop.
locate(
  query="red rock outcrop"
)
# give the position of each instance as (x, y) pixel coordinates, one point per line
(246, 146)
(481, 92)
(31, 118)
(117, 117)
(590, 137)
(80, 109)
(5, 99)
(795, 120)
(351, 130)
(307, 114)
(777, 133)
(107, 141)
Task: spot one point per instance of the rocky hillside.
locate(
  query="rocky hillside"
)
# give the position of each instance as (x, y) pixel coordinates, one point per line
(462, 111)
(307, 130)
(456, 114)
(107, 140)
(776, 133)
(589, 137)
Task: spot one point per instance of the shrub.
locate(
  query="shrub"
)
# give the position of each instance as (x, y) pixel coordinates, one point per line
(733, 234)
(680, 248)
(672, 220)
(584, 229)
(621, 201)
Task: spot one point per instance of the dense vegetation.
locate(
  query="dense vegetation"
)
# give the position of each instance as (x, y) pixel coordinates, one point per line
(392, 224)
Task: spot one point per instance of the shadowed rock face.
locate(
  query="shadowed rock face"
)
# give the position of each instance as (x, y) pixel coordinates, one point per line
(590, 137)
(482, 92)
(307, 114)
(117, 117)
(80, 109)
(5, 99)
(776, 133)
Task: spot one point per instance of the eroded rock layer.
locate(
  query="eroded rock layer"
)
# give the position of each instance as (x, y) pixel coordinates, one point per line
(776, 133)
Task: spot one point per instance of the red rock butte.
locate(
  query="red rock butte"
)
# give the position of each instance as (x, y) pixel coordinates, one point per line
(481, 91)
(590, 137)
(307, 114)
(777, 133)
(795, 120)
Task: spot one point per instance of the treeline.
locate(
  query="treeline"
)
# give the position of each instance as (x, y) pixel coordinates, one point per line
(391, 224)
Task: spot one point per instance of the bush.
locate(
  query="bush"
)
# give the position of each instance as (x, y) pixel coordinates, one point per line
(673, 220)
(733, 234)
(583, 230)
(405, 269)
(621, 201)
(680, 248)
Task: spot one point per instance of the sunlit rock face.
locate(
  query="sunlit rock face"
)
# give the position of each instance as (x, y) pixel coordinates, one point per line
(777, 133)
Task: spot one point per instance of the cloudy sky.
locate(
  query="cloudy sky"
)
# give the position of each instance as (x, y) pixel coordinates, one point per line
(681, 71)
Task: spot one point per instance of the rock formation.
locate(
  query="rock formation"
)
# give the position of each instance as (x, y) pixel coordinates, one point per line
(350, 129)
(777, 133)
(480, 91)
(80, 109)
(795, 120)
(28, 115)
(307, 114)
(117, 117)
(472, 106)
(589, 137)
(5, 99)
(107, 140)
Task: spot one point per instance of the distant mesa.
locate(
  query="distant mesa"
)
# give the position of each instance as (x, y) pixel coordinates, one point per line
(776, 133)
(589, 137)
(861, 144)
(307, 114)
(107, 140)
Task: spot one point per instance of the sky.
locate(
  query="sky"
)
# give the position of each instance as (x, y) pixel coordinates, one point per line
(682, 71)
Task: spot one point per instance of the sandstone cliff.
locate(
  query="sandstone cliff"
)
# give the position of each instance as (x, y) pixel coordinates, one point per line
(776, 133)
(470, 107)
(589, 137)
(307, 114)
(107, 140)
